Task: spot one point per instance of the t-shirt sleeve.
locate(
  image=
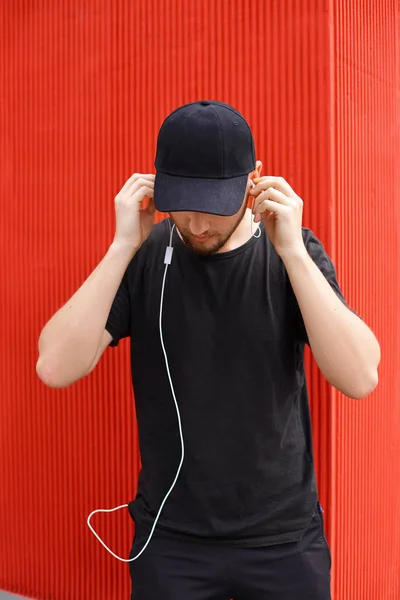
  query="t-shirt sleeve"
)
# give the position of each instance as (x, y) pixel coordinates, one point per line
(119, 319)
(317, 252)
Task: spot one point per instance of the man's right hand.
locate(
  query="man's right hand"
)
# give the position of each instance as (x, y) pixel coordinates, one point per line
(134, 223)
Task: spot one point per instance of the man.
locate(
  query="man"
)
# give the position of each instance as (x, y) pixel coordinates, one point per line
(218, 327)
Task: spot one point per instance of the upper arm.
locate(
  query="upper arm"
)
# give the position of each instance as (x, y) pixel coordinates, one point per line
(104, 343)
(118, 322)
(323, 261)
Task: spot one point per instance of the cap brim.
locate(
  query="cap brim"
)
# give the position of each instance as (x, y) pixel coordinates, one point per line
(222, 197)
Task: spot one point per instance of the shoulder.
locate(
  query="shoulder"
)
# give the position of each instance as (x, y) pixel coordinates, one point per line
(309, 237)
(158, 239)
(159, 234)
(151, 249)
(312, 242)
(316, 250)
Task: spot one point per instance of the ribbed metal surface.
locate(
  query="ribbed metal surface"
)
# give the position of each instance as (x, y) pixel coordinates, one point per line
(365, 469)
(84, 89)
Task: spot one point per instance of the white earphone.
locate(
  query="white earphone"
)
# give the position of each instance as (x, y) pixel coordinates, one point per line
(257, 232)
(167, 262)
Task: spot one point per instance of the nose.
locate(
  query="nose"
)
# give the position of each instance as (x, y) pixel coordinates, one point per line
(199, 224)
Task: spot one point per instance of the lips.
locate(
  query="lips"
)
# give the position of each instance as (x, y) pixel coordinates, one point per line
(202, 238)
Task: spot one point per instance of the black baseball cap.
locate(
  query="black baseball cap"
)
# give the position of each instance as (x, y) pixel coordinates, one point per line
(205, 152)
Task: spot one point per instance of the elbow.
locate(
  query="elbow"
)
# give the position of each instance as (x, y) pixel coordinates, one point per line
(47, 375)
(365, 388)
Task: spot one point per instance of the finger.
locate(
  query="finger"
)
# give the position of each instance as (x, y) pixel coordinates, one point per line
(131, 180)
(146, 192)
(135, 177)
(145, 179)
(150, 208)
(273, 194)
(279, 183)
(272, 207)
(139, 184)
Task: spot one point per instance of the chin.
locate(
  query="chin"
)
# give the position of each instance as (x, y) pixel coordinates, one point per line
(209, 247)
(203, 249)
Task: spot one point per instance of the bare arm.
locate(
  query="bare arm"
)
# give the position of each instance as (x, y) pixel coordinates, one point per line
(69, 343)
(72, 342)
(345, 349)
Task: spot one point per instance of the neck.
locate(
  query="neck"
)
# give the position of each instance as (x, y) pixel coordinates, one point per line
(242, 233)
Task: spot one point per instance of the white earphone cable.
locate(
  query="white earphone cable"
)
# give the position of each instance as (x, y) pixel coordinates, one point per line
(167, 261)
(257, 232)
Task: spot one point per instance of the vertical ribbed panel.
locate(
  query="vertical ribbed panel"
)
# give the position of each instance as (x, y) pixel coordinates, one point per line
(365, 440)
(84, 89)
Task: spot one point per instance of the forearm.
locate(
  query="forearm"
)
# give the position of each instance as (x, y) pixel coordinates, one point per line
(69, 341)
(344, 348)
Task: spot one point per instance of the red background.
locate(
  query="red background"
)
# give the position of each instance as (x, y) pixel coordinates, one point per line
(84, 87)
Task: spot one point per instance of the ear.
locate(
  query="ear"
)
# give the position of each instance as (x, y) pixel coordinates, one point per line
(257, 172)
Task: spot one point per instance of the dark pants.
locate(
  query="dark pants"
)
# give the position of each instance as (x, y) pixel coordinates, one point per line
(175, 570)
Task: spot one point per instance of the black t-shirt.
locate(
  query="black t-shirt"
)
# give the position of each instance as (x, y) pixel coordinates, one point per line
(234, 338)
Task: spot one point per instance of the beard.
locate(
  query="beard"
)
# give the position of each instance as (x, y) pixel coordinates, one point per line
(217, 240)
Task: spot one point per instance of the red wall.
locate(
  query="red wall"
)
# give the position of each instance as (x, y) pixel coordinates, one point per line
(84, 87)
(365, 437)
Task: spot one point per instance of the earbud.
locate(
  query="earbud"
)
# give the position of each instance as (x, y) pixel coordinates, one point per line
(257, 233)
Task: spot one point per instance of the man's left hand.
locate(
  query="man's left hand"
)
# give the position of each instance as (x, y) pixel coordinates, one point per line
(282, 211)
